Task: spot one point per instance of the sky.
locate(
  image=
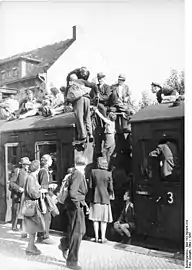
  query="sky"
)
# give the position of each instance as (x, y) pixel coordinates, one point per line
(144, 39)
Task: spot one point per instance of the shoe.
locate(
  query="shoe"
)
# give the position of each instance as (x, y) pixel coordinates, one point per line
(33, 251)
(47, 241)
(65, 252)
(24, 235)
(75, 267)
(96, 240)
(103, 241)
(15, 229)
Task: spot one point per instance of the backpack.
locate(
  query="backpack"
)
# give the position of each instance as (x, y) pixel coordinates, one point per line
(63, 192)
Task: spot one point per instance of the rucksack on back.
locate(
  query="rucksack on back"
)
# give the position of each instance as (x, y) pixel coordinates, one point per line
(63, 192)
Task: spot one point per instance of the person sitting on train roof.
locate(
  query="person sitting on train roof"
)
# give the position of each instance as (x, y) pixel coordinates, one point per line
(125, 224)
(29, 106)
(81, 73)
(100, 99)
(120, 95)
(168, 157)
(8, 107)
(163, 94)
(53, 103)
(81, 107)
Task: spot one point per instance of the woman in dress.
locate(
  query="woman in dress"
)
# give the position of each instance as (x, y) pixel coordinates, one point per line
(101, 187)
(35, 223)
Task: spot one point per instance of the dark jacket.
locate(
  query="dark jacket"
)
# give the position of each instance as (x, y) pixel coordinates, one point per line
(101, 186)
(127, 214)
(17, 180)
(77, 189)
(44, 178)
(77, 71)
(104, 93)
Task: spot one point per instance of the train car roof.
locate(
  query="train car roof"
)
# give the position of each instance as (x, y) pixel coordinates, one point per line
(159, 112)
(38, 122)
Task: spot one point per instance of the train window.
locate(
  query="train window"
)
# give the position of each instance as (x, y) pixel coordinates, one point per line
(145, 164)
(48, 147)
(166, 155)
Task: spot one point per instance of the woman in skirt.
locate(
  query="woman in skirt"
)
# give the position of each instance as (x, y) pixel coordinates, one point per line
(101, 187)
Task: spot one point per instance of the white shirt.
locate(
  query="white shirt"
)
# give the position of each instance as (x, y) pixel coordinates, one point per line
(120, 91)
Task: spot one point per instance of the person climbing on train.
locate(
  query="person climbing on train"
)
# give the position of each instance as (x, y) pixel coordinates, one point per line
(168, 158)
(78, 95)
(81, 73)
(125, 224)
(109, 134)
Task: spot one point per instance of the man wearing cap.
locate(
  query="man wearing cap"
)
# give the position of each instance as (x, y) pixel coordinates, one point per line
(17, 183)
(120, 92)
(104, 93)
(164, 94)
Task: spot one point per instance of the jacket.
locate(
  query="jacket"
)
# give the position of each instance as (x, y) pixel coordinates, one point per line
(115, 94)
(127, 214)
(101, 186)
(104, 93)
(77, 71)
(168, 155)
(44, 178)
(17, 181)
(77, 190)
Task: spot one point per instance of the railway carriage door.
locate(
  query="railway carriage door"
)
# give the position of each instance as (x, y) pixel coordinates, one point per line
(170, 189)
(12, 155)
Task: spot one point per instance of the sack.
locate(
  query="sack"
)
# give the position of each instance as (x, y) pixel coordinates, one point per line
(29, 208)
(63, 192)
(75, 92)
(51, 206)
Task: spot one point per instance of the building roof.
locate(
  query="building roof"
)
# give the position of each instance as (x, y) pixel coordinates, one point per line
(44, 57)
(38, 122)
(159, 112)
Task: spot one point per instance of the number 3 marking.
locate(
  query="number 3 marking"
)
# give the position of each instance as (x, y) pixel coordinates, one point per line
(170, 197)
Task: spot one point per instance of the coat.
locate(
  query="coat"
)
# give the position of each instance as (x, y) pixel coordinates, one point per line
(115, 94)
(127, 215)
(168, 154)
(17, 181)
(101, 186)
(104, 93)
(32, 192)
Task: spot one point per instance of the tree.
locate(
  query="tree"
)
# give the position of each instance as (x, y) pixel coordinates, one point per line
(176, 81)
(145, 100)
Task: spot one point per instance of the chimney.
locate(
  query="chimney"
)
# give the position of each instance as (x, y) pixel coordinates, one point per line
(74, 32)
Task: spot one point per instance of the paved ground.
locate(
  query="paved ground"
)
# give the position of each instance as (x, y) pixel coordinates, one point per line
(93, 256)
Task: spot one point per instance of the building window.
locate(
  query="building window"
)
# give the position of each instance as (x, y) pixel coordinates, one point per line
(15, 72)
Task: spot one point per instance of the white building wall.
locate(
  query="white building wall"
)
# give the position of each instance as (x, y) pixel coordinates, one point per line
(80, 53)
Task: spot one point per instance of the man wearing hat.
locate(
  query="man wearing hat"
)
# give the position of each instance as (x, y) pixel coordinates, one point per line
(104, 93)
(17, 183)
(120, 92)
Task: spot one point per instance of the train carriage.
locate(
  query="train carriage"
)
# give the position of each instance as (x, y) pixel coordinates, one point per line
(33, 137)
(159, 201)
